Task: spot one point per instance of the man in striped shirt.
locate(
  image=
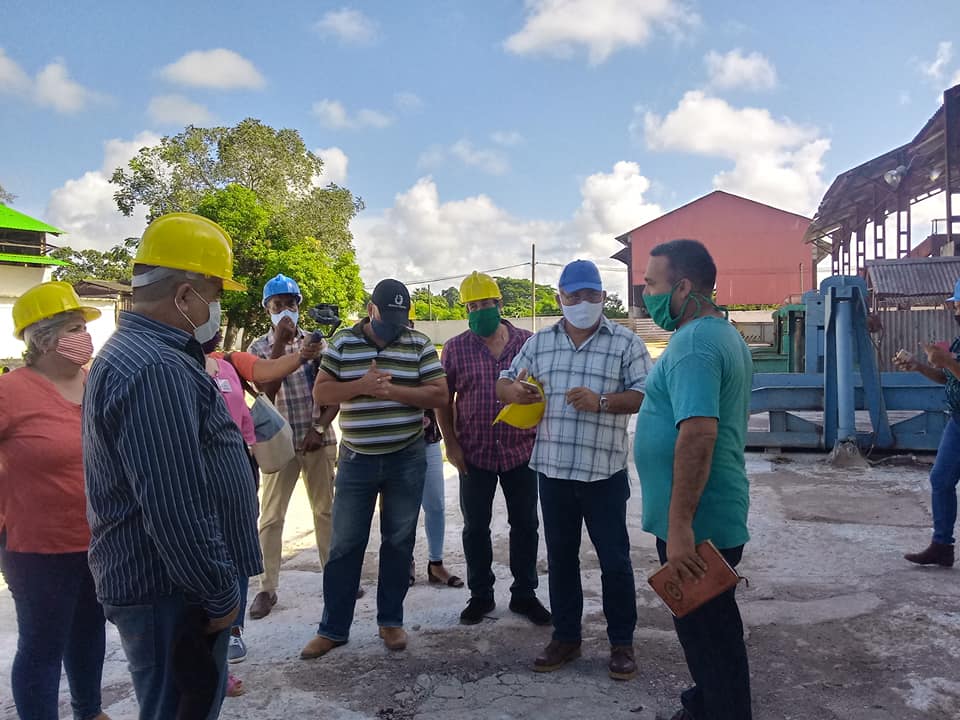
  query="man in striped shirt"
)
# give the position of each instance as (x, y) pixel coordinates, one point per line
(593, 373)
(170, 495)
(383, 375)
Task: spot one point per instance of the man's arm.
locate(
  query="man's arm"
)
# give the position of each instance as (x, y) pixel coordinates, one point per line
(447, 420)
(693, 456)
(283, 334)
(159, 447)
(328, 390)
(621, 403)
(431, 394)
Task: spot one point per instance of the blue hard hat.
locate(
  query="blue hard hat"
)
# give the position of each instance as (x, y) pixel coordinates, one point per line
(956, 293)
(281, 285)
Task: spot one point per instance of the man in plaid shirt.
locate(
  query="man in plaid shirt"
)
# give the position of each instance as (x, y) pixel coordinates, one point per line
(485, 453)
(313, 438)
(593, 373)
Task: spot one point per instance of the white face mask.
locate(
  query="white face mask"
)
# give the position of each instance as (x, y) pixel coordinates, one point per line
(583, 315)
(205, 332)
(275, 318)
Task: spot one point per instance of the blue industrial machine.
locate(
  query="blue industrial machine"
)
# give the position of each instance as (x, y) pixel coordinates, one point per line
(818, 408)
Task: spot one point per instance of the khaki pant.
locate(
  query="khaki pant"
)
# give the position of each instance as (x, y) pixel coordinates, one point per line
(318, 473)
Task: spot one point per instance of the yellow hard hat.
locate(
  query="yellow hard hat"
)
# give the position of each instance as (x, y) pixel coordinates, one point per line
(185, 241)
(477, 286)
(46, 300)
(522, 416)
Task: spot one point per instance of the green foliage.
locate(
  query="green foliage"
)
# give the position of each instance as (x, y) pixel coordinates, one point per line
(115, 264)
(427, 306)
(263, 186)
(613, 307)
(517, 294)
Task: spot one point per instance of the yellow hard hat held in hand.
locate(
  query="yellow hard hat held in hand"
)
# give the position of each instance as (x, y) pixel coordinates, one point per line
(523, 416)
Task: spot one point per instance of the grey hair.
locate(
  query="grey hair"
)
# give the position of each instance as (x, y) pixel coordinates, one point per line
(43, 335)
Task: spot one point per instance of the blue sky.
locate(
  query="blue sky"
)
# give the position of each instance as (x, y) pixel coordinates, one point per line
(474, 129)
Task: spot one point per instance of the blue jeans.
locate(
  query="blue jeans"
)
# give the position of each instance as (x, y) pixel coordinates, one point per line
(433, 502)
(943, 484)
(397, 478)
(602, 505)
(712, 641)
(148, 633)
(59, 621)
(477, 489)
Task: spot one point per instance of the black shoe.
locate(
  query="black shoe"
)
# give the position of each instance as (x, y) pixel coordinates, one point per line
(475, 610)
(532, 610)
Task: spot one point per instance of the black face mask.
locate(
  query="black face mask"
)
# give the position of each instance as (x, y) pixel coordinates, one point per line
(385, 331)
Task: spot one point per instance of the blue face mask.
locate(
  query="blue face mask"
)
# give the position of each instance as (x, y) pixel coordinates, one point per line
(385, 331)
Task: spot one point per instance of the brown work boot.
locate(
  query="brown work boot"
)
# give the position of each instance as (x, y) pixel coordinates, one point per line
(319, 646)
(935, 554)
(622, 665)
(394, 638)
(262, 605)
(555, 655)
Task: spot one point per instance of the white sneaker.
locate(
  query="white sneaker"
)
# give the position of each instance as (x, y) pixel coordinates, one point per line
(237, 650)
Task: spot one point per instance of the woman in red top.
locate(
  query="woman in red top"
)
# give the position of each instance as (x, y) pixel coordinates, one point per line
(43, 525)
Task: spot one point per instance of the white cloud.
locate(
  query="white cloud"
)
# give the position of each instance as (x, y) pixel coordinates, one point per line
(84, 206)
(178, 110)
(220, 68)
(421, 237)
(775, 161)
(334, 115)
(407, 101)
(335, 162)
(556, 27)
(937, 68)
(52, 87)
(736, 70)
(350, 26)
(507, 138)
(12, 77)
(492, 162)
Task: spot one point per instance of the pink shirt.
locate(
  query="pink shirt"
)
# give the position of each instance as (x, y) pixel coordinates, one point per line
(229, 383)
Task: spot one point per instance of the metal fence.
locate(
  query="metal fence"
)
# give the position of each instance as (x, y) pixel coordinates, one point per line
(909, 328)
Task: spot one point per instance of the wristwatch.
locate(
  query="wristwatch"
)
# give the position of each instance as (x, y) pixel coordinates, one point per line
(604, 403)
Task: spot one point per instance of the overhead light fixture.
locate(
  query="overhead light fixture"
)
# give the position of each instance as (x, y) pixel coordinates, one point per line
(935, 174)
(894, 177)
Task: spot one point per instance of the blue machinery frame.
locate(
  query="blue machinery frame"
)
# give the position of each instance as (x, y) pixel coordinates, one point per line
(843, 377)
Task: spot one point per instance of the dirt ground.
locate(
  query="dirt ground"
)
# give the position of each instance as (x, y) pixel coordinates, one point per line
(839, 625)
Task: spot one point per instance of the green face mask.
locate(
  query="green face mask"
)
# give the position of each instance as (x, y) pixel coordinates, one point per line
(484, 322)
(659, 308)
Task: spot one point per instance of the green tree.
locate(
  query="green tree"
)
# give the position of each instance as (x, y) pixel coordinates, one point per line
(115, 264)
(6, 197)
(265, 187)
(427, 306)
(517, 294)
(613, 307)
(452, 296)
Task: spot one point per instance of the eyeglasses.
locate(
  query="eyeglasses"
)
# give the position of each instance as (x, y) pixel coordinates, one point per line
(591, 296)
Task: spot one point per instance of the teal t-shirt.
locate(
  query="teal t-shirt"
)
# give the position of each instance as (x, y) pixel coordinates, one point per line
(706, 371)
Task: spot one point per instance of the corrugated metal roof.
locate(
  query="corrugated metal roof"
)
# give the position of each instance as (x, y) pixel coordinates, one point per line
(10, 219)
(913, 277)
(30, 259)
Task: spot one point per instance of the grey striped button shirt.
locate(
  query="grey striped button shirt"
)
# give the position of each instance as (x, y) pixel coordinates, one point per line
(170, 496)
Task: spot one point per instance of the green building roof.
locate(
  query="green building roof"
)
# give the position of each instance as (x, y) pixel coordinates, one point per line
(30, 259)
(10, 219)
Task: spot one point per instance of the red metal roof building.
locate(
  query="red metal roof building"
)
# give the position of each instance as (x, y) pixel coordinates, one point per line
(759, 250)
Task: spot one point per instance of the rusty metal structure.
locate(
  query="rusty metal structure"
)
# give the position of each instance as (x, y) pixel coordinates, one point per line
(891, 184)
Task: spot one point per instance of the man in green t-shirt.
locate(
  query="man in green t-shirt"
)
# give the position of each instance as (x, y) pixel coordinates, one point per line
(689, 452)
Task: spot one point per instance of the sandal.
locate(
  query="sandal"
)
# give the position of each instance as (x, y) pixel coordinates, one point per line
(234, 686)
(451, 581)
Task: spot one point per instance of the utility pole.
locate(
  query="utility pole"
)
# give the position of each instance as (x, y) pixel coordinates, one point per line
(429, 303)
(533, 283)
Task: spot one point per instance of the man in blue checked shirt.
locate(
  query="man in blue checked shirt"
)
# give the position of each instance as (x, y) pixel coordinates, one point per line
(593, 373)
(170, 495)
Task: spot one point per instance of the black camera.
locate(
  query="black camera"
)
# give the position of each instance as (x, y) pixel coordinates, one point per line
(326, 315)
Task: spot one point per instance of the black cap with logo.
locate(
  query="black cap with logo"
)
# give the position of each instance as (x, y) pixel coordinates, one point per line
(393, 301)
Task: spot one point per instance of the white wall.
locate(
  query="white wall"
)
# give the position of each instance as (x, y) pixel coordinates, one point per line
(100, 329)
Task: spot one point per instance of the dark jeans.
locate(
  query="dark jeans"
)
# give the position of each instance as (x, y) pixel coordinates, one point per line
(148, 633)
(712, 641)
(943, 484)
(398, 480)
(244, 584)
(602, 505)
(477, 489)
(59, 621)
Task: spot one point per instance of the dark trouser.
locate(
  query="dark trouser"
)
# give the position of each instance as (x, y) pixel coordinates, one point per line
(712, 641)
(477, 489)
(398, 480)
(943, 484)
(58, 621)
(602, 505)
(149, 633)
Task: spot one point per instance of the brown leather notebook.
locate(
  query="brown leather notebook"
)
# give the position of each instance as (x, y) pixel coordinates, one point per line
(684, 598)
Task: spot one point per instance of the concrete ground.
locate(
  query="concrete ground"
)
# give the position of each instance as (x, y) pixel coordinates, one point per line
(839, 625)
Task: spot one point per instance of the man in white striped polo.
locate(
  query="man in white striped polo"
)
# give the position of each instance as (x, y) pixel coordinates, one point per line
(383, 375)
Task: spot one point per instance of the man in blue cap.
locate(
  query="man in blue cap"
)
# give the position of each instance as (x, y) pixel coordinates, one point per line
(313, 438)
(593, 373)
(944, 368)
